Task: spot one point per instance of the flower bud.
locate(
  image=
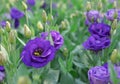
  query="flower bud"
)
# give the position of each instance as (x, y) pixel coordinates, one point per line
(63, 25)
(12, 36)
(114, 24)
(115, 4)
(24, 5)
(3, 58)
(65, 52)
(50, 17)
(88, 7)
(24, 80)
(39, 26)
(27, 31)
(44, 16)
(8, 26)
(99, 5)
(114, 56)
(36, 77)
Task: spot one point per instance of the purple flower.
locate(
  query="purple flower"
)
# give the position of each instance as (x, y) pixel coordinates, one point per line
(16, 15)
(93, 15)
(117, 69)
(111, 13)
(100, 29)
(57, 39)
(38, 53)
(3, 24)
(30, 2)
(96, 43)
(87, 22)
(111, 1)
(2, 73)
(99, 75)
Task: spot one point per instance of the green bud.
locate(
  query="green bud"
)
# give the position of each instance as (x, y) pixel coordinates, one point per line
(65, 52)
(8, 26)
(3, 58)
(44, 16)
(114, 24)
(12, 36)
(24, 80)
(36, 77)
(50, 17)
(115, 4)
(63, 25)
(114, 56)
(99, 5)
(27, 31)
(88, 7)
(39, 26)
(24, 5)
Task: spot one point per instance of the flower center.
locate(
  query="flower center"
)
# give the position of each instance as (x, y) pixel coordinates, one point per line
(38, 52)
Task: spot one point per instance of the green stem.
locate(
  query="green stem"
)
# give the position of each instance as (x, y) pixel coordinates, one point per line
(26, 17)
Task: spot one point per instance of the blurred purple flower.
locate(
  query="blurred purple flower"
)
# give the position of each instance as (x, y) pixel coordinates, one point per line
(99, 75)
(3, 24)
(111, 1)
(38, 53)
(96, 43)
(100, 29)
(30, 2)
(93, 15)
(87, 22)
(111, 13)
(57, 39)
(2, 73)
(16, 15)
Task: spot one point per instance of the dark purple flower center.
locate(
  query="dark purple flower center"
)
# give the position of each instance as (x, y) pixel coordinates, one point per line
(38, 52)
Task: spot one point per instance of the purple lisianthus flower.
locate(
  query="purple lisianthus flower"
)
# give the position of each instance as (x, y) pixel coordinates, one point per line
(2, 73)
(96, 43)
(93, 15)
(111, 13)
(87, 22)
(99, 75)
(38, 53)
(16, 15)
(30, 2)
(100, 29)
(3, 24)
(56, 37)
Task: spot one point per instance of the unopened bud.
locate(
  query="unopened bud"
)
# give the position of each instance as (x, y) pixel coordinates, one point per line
(12, 36)
(24, 80)
(115, 4)
(27, 31)
(50, 17)
(39, 25)
(8, 26)
(24, 5)
(114, 24)
(99, 5)
(88, 7)
(3, 58)
(44, 16)
(114, 56)
(63, 25)
(36, 77)
(65, 52)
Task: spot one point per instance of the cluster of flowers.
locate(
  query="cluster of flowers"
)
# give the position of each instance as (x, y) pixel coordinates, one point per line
(100, 39)
(100, 32)
(39, 52)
